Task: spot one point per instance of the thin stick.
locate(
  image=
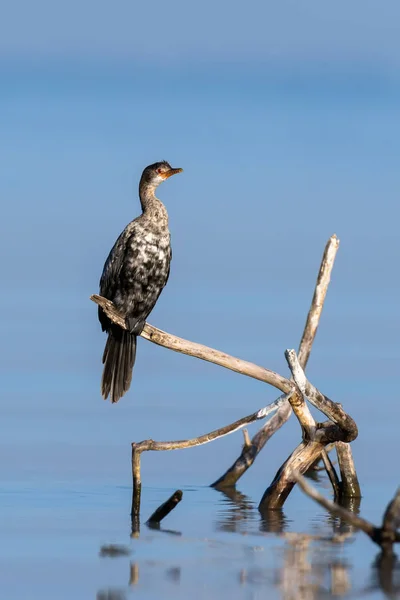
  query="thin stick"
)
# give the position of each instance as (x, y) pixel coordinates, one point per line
(177, 344)
(250, 453)
(318, 300)
(246, 438)
(330, 469)
(379, 535)
(334, 508)
(137, 483)
(165, 508)
(213, 435)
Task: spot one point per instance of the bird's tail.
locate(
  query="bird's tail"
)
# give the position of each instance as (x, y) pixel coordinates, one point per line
(118, 359)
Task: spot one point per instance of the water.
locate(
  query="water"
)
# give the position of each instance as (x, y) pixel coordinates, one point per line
(274, 163)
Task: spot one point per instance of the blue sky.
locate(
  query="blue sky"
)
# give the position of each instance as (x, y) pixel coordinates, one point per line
(175, 32)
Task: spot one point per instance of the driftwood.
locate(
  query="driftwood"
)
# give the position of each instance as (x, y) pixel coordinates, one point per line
(315, 437)
(340, 428)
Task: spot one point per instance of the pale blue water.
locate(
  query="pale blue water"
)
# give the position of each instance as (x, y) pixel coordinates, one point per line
(274, 163)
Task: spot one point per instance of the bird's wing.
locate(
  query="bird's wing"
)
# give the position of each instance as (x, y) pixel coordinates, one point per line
(112, 267)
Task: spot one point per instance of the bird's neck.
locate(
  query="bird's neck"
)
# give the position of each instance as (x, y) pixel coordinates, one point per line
(151, 205)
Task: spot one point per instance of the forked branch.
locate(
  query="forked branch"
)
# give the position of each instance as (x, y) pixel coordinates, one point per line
(250, 452)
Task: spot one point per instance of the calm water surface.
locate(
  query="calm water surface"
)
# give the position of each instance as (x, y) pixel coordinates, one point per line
(273, 166)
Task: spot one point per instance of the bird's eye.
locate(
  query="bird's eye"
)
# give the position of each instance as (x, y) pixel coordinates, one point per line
(159, 171)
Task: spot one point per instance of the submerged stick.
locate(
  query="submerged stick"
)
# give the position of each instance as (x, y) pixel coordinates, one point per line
(330, 469)
(349, 487)
(165, 508)
(383, 537)
(250, 452)
(136, 489)
(334, 508)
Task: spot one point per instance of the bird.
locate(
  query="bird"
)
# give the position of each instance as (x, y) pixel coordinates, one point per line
(134, 275)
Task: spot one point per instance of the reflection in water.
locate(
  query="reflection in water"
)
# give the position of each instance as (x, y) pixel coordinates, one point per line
(114, 550)
(173, 574)
(157, 527)
(135, 528)
(134, 574)
(273, 521)
(300, 567)
(307, 569)
(386, 575)
(238, 509)
(307, 572)
(110, 595)
(339, 526)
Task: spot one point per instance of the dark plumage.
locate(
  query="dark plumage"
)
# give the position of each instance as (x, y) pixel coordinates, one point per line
(134, 275)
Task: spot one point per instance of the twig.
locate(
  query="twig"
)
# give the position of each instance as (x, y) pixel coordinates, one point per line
(249, 453)
(318, 300)
(246, 438)
(334, 508)
(165, 508)
(213, 435)
(330, 469)
(136, 489)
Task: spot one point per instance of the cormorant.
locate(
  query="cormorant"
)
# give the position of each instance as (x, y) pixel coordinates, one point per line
(134, 275)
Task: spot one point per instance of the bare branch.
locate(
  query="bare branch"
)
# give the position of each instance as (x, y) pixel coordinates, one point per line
(177, 344)
(334, 508)
(318, 300)
(213, 435)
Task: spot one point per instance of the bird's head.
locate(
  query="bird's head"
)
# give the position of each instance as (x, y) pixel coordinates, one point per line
(155, 174)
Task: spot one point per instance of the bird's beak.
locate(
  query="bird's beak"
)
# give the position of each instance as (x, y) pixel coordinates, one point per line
(172, 172)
